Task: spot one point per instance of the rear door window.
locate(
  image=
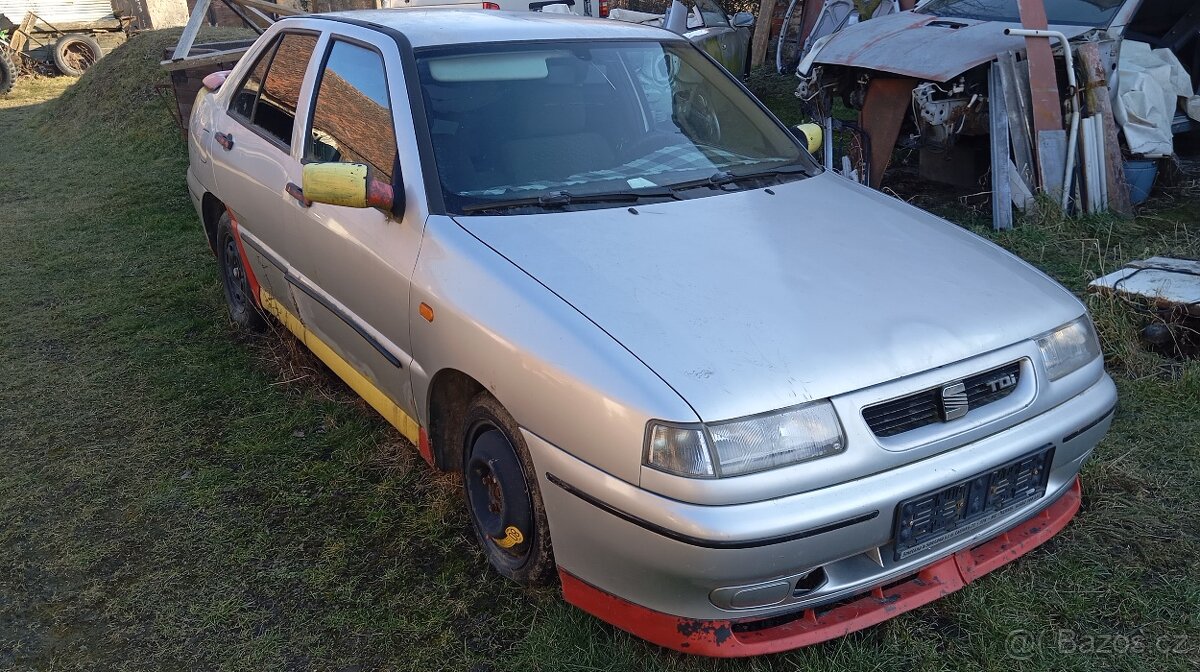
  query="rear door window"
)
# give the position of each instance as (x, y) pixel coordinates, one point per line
(352, 114)
(268, 97)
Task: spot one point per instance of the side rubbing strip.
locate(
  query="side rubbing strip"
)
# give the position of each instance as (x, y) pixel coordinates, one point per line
(350, 322)
(354, 324)
(1090, 425)
(706, 543)
(357, 382)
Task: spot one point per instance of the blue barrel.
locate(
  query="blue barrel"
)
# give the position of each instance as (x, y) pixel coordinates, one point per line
(1140, 174)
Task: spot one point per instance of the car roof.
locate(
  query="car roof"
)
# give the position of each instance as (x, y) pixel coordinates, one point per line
(436, 27)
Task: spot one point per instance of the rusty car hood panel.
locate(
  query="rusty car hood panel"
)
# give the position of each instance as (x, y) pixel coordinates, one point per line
(749, 301)
(924, 46)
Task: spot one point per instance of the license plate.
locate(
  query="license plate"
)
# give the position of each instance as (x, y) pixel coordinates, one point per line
(932, 519)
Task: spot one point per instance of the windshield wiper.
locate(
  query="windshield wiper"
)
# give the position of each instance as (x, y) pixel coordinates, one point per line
(719, 179)
(559, 199)
(777, 172)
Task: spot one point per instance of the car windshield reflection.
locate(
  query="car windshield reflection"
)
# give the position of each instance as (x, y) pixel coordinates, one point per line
(526, 120)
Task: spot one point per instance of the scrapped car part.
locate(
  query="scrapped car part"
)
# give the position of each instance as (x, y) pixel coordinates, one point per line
(838, 14)
(538, 310)
(1165, 292)
(788, 44)
(923, 46)
(728, 638)
(703, 22)
(964, 56)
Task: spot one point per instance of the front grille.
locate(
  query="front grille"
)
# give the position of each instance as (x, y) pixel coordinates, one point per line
(925, 407)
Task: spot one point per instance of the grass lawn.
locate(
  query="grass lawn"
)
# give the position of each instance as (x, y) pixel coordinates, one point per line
(174, 495)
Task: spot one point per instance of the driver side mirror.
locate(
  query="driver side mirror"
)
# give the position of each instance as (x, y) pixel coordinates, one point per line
(743, 20)
(811, 136)
(348, 184)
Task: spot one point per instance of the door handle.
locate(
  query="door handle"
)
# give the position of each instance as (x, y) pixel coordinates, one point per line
(225, 140)
(297, 193)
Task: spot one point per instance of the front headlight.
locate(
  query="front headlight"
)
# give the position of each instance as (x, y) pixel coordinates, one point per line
(1069, 347)
(746, 445)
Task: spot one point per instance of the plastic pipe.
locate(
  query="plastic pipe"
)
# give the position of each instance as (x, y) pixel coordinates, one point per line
(1073, 143)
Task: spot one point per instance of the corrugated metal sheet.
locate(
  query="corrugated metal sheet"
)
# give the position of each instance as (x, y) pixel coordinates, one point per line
(58, 11)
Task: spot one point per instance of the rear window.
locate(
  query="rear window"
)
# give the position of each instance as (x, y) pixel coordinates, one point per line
(267, 98)
(1063, 12)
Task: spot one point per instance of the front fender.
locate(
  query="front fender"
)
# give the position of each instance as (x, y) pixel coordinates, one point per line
(559, 374)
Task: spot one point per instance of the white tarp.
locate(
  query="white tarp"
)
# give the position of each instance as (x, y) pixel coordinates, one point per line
(1150, 83)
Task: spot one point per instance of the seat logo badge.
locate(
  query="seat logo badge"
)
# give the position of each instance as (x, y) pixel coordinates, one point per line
(954, 401)
(1002, 383)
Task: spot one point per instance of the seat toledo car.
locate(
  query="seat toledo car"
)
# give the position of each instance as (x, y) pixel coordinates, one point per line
(734, 404)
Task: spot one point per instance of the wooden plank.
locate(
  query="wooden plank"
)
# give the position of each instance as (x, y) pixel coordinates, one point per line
(243, 14)
(20, 36)
(1019, 124)
(270, 7)
(1098, 101)
(184, 46)
(762, 33)
(1002, 215)
(44, 26)
(1043, 82)
(212, 58)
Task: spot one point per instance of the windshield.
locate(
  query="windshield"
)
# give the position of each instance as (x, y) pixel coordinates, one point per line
(526, 120)
(1062, 12)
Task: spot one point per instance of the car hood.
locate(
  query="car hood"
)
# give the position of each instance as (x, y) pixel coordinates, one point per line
(748, 302)
(924, 46)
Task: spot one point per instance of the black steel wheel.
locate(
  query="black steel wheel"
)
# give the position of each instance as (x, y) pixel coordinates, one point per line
(502, 495)
(234, 279)
(74, 54)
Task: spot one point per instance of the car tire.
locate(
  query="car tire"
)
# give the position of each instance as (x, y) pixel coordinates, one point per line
(235, 281)
(8, 72)
(503, 498)
(74, 54)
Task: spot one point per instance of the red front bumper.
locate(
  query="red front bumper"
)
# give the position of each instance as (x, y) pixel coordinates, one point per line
(722, 639)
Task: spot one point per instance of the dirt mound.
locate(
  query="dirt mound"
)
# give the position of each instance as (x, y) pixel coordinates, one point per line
(127, 92)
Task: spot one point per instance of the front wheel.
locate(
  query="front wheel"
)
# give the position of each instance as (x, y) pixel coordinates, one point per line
(502, 494)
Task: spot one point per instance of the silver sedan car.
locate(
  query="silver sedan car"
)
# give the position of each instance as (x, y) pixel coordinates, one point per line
(734, 404)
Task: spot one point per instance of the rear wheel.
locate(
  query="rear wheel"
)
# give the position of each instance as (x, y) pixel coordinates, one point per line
(74, 54)
(502, 494)
(8, 72)
(235, 280)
